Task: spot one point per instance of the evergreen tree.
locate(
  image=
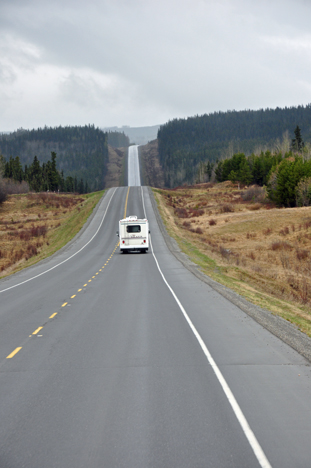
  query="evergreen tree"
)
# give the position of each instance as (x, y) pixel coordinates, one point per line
(245, 175)
(297, 142)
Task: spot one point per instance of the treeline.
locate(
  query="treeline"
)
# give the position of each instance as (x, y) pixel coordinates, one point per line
(287, 177)
(185, 143)
(82, 152)
(42, 178)
(118, 139)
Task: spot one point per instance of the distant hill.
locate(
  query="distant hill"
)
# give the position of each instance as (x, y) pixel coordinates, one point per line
(82, 152)
(184, 143)
(137, 135)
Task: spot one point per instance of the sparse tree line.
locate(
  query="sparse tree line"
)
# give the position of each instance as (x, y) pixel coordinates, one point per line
(36, 177)
(287, 176)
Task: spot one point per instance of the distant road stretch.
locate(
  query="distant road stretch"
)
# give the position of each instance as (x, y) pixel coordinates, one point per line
(133, 167)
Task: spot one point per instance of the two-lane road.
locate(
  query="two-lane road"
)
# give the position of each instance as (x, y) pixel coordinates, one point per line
(107, 371)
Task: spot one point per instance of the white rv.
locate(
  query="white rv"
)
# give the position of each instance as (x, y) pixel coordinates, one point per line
(133, 234)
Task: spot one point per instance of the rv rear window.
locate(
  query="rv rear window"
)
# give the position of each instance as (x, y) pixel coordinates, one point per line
(133, 228)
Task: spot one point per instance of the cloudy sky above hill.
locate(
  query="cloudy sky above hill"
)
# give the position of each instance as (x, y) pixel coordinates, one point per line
(143, 62)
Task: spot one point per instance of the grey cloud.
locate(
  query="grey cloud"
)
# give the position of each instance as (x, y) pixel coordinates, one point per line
(164, 59)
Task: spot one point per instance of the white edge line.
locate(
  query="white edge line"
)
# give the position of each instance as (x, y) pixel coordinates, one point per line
(259, 453)
(64, 261)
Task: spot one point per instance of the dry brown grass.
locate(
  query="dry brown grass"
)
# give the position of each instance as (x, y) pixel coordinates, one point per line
(29, 222)
(255, 246)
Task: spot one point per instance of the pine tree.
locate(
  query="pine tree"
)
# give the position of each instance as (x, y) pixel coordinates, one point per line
(297, 142)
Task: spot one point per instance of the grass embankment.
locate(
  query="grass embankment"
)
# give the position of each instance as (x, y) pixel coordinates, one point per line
(33, 226)
(259, 251)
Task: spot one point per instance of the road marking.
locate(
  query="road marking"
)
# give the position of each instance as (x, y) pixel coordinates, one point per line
(73, 296)
(13, 353)
(125, 208)
(36, 331)
(53, 315)
(66, 260)
(84, 285)
(65, 303)
(259, 453)
(89, 281)
(97, 273)
(79, 290)
(93, 277)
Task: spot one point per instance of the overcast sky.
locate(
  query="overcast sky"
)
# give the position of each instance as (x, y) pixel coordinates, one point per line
(144, 62)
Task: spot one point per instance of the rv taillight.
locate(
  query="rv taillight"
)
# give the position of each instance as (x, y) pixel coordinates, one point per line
(123, 242)
(144, 241)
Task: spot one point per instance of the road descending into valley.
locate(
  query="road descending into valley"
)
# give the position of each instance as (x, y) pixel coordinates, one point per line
(130, 361)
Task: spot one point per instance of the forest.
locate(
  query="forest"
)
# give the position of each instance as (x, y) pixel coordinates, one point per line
(118, 139)
(82, 152)
(184, 144)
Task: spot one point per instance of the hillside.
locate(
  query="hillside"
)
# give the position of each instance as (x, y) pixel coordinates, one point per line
(241, 240)
(151, 170)
(115, 167)
(184, 143)
(82, 152)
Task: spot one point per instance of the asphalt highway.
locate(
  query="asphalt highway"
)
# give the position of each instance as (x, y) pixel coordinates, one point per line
(113, 360)
(133, 166)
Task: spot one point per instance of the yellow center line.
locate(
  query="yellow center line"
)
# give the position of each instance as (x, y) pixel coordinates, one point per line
(89, 281)
(79, 290)
(85, 285)
(73, 296)
(93, 277)
(127, 196)
(13, 353)
(53, 315)
(36, 331)
(100, 270)
(65, 303)
(97, 273)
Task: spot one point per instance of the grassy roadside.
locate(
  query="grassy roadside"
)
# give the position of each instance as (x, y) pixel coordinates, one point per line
(35, 226)
(234, 252)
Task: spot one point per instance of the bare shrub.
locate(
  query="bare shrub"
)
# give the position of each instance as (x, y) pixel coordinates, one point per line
(281, 245)
(186, 224)
(181, 212)
(267, 231)
(227, 208)
(284, 231)
(196, 212)
(38, 231)
(31, 251)
(199, 230)
(212, 222)
(225, 253)
(251, 235)
(252, 256)
(304, 288)
(254, 193)
(302, 254)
